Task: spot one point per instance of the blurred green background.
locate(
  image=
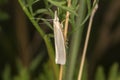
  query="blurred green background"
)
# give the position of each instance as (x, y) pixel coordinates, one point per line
(21, 44)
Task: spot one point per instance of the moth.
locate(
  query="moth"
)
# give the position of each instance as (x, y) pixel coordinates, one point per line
(59, 41)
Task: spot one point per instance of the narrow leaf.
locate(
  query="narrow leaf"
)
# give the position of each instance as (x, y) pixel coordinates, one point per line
(89, 5)
(60, 5)
(35, 62)
(7, 73)
(113, 72)
(39, 11)
(100, 74)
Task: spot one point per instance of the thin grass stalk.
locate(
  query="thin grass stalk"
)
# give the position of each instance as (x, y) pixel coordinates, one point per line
(67, 20)
(86, 41)
(65, 37)
(75, 42)
(61, 72)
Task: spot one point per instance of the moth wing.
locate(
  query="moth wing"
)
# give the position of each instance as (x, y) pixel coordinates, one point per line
(59, 44)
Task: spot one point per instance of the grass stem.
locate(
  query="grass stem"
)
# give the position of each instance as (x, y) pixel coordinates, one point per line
(65, 36)
(86, 41)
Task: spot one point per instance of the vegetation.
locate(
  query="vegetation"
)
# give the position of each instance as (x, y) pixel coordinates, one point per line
(34, 59)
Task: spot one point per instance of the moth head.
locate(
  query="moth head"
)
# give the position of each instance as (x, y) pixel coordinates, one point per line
(56, 16)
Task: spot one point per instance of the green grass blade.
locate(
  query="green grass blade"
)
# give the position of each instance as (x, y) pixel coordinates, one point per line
(113, 72)
(35, 62)
(7, 73)
(100, 74)
(75, 42)
(60, 5)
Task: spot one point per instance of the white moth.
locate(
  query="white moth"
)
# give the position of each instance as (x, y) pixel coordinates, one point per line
(59, 41)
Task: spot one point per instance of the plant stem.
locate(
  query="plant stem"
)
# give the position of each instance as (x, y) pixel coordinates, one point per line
(75, 41)
(65, 37)
(67, 20)
(51, 56)
(86, 41)
(31, 19)
(45, 37)
(61, 72)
